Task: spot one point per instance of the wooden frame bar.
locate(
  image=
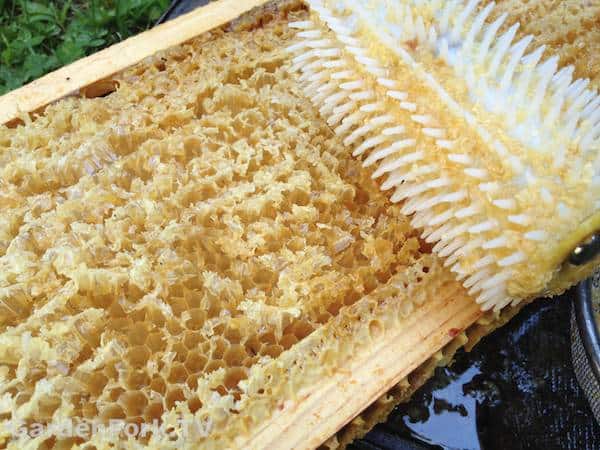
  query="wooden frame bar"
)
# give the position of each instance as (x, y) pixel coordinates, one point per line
(324, 409)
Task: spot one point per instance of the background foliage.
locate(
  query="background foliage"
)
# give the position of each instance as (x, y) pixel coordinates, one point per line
(37, 37)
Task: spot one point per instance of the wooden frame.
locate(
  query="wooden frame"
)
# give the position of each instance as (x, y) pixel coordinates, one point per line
(329, 406)
(86, 71)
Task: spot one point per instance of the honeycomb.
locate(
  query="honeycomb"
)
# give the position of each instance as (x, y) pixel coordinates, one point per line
(198, 244)
(162, 245)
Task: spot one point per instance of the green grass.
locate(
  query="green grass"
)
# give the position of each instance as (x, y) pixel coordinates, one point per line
(38, 37)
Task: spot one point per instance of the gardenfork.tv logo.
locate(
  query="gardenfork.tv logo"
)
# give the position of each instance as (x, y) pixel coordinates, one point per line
(85, 429)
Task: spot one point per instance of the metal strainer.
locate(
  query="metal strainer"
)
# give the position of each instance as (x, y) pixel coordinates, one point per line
(585, 340)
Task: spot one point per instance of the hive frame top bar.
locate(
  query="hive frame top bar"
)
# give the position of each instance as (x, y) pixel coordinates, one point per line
(70, 79)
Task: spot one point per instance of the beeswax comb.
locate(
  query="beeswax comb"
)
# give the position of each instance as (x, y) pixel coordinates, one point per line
(491, 146)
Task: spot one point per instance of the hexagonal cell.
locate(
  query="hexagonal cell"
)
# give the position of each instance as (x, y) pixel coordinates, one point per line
(222, 390)
(120, 323)
(180, 351)
(158, 385)
(301, 329)
(178, 373)
(112, 411)
(288, 340)
(271, 350)
(133, 403)
(323, 317)
(252, 345)
(176, 290)
(234, 376)
(194, 404)
(115, 393)
(268, 337)
(95, 382)
(134, 292)
(233, 335)
(110, 371)
(334, 308)
(213, 308)
(214, 365)
(192, 381)
(346, 259)
(192, 339)
(192, 294)
(156, 317)
(249, 361)
(137, 334)
(205, 347)
(138, 356)
(47, 406)
(219, 328)
(195, 362)
(85, 353)
(218, 347)
(153, 411)
(115, 310)
(137, 379)
(234, 355)
(156, 342)
(89, 410)
(352, 297)
(178, 304)
(101, 301)
(173, 396)
(265, 278)
(174, 328)
(196, 320)
(137, 315)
